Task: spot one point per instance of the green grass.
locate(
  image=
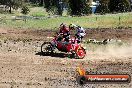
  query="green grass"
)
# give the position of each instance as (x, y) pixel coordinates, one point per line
(91, 21)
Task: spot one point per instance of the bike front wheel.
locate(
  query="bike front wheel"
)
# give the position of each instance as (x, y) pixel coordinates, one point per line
(46, 47)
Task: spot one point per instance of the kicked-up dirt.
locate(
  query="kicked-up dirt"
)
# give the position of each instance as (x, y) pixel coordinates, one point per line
(23, 66)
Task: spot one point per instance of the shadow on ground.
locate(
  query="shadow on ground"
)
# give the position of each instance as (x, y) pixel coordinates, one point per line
(60, 55)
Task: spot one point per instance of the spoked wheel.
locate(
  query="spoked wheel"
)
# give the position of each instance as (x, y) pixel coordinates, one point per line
(80, 53)
(46, 48)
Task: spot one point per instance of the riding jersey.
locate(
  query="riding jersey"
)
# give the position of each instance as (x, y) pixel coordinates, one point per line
(80, 31)
(64, 30)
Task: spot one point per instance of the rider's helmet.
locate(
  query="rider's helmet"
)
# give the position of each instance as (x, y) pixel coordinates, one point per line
(63, 28)
(62, 25)
(72, 26)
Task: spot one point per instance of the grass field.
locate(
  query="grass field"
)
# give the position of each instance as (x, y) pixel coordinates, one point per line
(91, 21)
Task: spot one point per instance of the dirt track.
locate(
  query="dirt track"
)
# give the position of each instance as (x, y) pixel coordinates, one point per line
(22, 66)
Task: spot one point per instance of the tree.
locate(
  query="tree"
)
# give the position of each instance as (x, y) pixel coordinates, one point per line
(52, 5)
(113, 6)
(103, 7)
(12, 4)
(119, 6)
(41, 2)
(79, 7)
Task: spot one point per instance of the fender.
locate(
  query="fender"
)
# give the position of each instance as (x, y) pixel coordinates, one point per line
(77, 47)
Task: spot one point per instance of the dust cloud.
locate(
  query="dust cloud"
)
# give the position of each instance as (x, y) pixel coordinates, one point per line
(116, 50)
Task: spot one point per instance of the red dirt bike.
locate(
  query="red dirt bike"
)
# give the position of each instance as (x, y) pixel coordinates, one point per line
(77, 50)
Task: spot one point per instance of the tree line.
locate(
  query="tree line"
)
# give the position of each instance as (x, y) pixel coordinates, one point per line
(114, 6)
(74, 7)
(15, 4)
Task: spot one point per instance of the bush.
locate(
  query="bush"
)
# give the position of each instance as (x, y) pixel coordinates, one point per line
(52, 10)
(25, 10)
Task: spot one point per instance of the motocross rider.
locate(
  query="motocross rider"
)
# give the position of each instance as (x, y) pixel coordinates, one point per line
(80, 32)
(65, 32)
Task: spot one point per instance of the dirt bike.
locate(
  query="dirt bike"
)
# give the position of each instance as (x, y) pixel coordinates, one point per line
(77, 50)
